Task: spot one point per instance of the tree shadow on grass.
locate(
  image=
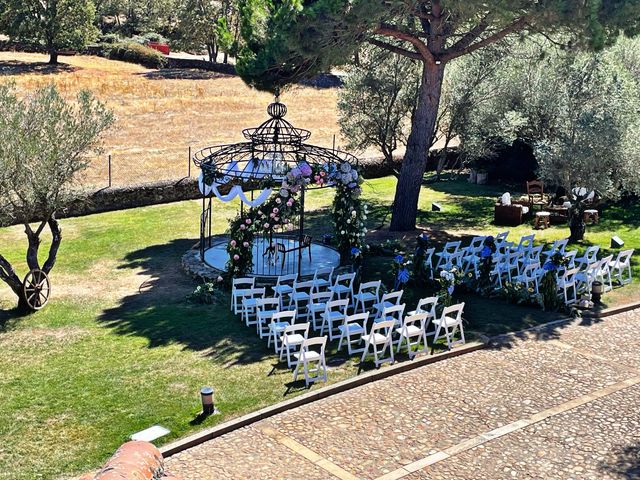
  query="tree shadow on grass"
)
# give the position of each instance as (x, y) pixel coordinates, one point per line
(182, 74)
(160, 312)
(15, 67)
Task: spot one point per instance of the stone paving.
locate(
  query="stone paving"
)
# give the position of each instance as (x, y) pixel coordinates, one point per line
(563, 404)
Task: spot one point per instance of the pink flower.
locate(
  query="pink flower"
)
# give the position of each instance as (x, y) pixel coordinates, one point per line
(290, 203)
(248, 221)
(236, 257)
(242, 227)
(245, 244)
(277, 219)
(317, 178)
(275, 210)
(232, 243)
(272, 215)
(278, 200)
(266, 225)
(322, 173)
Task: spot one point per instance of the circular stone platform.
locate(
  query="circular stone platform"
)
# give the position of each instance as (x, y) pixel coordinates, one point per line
(322, 256)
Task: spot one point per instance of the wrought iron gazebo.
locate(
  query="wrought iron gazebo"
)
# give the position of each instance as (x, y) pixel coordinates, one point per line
(253, 170)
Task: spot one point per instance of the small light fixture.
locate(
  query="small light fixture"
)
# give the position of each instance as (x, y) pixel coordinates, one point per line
(438, 62)
(206, 395)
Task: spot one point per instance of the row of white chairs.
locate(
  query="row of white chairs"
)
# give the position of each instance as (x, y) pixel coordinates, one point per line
(307, 306)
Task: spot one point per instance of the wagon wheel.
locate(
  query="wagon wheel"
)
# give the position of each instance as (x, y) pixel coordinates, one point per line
(37, 289)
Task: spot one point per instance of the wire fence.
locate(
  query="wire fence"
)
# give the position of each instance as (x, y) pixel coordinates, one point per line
(137, 166)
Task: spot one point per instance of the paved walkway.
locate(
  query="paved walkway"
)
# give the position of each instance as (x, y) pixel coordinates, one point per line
(559, 405)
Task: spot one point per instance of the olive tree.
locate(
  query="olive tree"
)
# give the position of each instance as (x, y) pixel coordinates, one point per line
(377, 100)
(44, 141)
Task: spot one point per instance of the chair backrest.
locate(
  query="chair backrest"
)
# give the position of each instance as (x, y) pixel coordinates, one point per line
(374, 287)
(395, 311)
(501, 237)
(254, 293)
(345, 279)
(338, 305)
(360, 318)
(302, 286)
(604, 264)
(476, 244)
(386, 325)
(428, 256)
(287, 315)
(263, 303)
(392, 297)
(326, 273)
(624, 257)
(427, 305)
(454, 311)
(286, 279)
(513, 259)
(591, 253)
(314, 341)
(455, 259)
(531, 269)
(451, 247)
(302, 328)
(320, 297)
(569, 275)
(560, 245)
(534, 253)
(571, 257)
(535, 187)
(246, 282)
(419, 318)
(526, 242)
(504, 247)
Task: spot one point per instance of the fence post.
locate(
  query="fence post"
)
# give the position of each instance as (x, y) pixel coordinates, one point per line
(109, 170)
(189, 163)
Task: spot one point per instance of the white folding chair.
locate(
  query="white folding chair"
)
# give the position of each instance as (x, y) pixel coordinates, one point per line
(475, 246)
(413, 331)
(449, 249)
(388, 300)
(333, 315)
(283, 288)
(379, 339)
(249, 309)
(343, 286)
(238, 286)
(300, 296)
(620, 265)
(368, 295)
(501, 237)
(450, 321)
(455, 260)
(604, 272)
(394, 312)
(316, 307)
(532, 255)
(425, 305)
(568, 287)
(313, 363)
(585, 278)
(589, 258)
(531, 276)
(280, 321)
(353, 326)
(558, 246)
(428, 261)
(292, 338)
(322, 279)
(526, 242)
(266, 307)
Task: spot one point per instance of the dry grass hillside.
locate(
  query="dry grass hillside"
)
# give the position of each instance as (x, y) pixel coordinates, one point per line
(160, 113)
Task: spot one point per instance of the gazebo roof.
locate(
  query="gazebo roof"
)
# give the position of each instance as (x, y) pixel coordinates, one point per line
(272, 149)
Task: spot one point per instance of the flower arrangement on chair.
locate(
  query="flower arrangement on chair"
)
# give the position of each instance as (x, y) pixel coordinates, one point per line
(400, 271)
(549, 281)
(448, 280)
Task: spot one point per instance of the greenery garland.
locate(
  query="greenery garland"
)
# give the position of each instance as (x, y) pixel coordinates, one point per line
(277, 213)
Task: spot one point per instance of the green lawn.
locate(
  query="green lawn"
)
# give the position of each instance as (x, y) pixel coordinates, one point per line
(119, 349)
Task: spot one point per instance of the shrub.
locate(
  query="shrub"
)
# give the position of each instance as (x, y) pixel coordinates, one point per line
(136, 53)
(109, 38)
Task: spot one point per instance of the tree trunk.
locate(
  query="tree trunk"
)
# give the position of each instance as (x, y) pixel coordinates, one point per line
(405, 204)
(53, 56)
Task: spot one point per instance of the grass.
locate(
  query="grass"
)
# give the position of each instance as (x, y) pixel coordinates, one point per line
(160, 113)
(119, 348)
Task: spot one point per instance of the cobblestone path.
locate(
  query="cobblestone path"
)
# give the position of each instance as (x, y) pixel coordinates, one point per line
(561, 404)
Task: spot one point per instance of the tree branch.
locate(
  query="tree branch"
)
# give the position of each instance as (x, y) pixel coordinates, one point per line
(56, 239)
(516, 26)
(394, 49)
(8, 275)
(393, 31)
(471, 36)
